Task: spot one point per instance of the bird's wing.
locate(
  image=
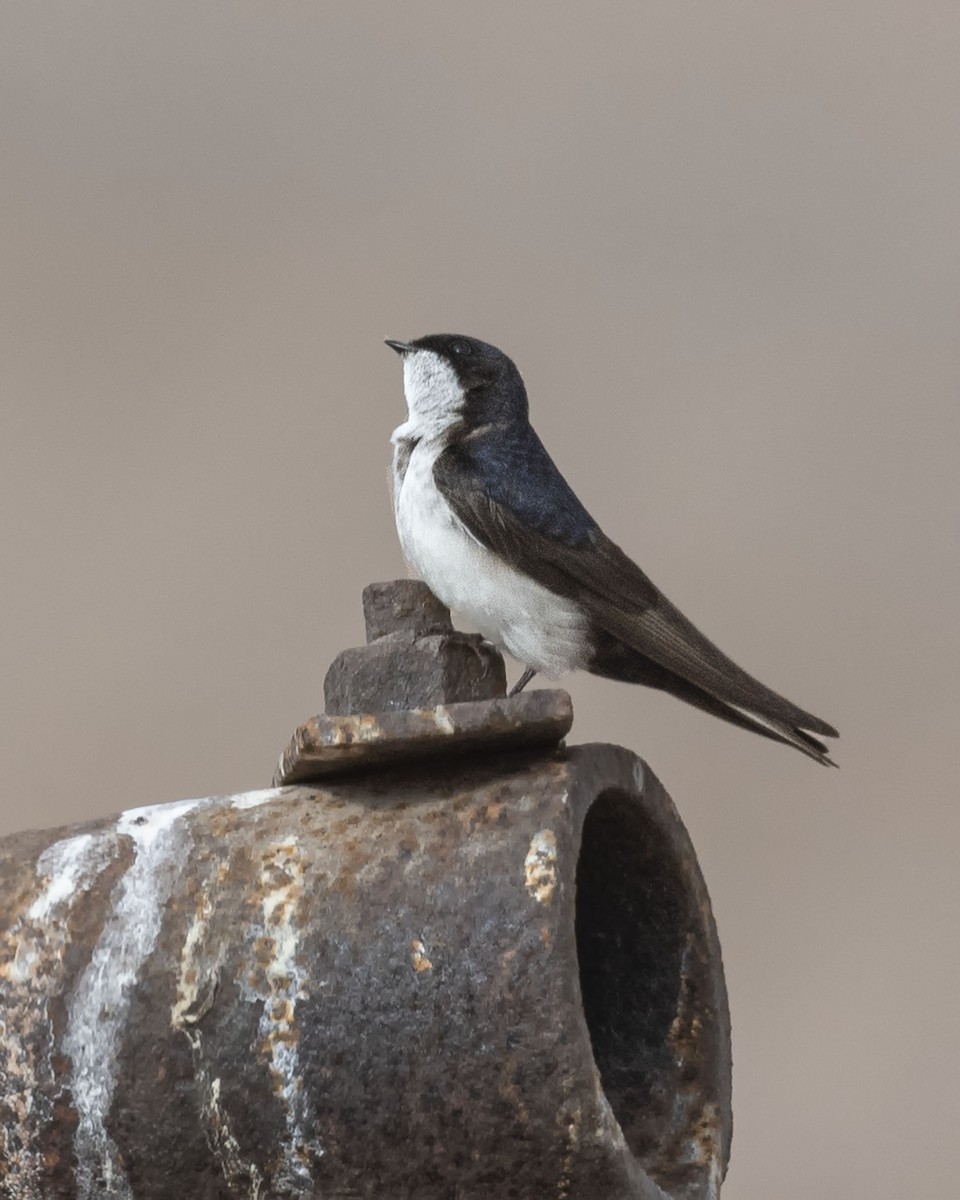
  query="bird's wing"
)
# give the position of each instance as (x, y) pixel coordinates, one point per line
(512, 499)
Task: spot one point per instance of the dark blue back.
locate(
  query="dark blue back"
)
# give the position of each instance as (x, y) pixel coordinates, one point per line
(515, 470)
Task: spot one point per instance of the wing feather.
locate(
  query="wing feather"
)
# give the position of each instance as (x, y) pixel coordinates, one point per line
(567, 552)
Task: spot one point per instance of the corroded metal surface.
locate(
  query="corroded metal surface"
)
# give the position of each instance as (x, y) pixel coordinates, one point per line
(492, 974)
(401, 671)
(491, 979)
(327, 746)
(403, 606)
(413, 657)
(417, 689)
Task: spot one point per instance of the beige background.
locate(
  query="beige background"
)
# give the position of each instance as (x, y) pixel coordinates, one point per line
(723, 243)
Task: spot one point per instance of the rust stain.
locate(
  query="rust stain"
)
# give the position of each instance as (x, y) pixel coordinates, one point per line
(705, 1147)
(276, 979)
(540, 866)
(419, 956)
(698, 1139)
(512, 1054)
(195, 968)
(570, 1122)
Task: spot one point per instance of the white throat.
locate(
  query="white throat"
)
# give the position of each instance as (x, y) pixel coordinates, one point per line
(433, 393)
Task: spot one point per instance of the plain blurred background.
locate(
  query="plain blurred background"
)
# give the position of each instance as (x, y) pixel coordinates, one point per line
(722, 242)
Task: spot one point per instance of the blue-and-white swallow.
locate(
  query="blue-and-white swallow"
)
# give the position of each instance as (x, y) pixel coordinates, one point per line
(496, 532)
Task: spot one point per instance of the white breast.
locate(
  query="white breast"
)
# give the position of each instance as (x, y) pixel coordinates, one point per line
(541, 630)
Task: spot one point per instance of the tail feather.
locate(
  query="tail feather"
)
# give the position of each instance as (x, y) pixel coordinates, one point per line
(682, 650)
(614, 660)
(792, 735)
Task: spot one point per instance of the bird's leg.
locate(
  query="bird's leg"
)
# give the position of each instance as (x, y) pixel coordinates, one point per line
(523, 681)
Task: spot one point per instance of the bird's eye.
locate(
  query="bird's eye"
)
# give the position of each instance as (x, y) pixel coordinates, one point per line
(459, 348)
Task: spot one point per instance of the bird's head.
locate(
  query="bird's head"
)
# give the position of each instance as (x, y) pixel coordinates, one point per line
(448, 377)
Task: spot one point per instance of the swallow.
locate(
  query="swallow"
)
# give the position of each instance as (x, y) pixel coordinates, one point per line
(490, 524)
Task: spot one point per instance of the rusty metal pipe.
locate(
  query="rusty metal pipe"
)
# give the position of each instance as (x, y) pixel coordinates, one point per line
(498, 978)
(481, 966)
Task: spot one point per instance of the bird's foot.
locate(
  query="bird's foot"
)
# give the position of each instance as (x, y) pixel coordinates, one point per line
(482, 648)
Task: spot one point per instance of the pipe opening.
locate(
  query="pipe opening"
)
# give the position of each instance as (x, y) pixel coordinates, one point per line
(633, 928)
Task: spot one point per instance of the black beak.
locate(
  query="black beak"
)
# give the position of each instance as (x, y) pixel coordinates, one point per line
(400, 347)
